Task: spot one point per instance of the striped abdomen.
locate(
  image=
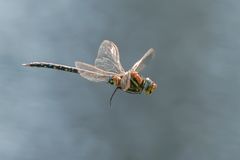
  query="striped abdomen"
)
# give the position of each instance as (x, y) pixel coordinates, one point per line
(52, 66)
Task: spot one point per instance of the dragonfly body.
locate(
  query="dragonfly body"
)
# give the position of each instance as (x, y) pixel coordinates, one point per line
(108, 69)
(136, 85)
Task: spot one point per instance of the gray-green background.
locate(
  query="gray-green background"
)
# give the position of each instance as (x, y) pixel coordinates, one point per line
(193, 115)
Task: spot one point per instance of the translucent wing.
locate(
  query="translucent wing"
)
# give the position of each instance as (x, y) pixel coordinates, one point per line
(93, 73)
(108, 58)
(125, 81)
(140, 65)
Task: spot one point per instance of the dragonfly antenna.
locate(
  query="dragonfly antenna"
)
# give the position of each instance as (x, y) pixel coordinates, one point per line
(112, 96)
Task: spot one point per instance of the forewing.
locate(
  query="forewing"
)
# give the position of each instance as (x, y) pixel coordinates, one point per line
(125, 81)
(140, 65)
(93, 73)
(108, 58)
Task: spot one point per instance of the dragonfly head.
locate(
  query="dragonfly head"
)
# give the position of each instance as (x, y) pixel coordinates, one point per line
(149, 86)
(115, 80)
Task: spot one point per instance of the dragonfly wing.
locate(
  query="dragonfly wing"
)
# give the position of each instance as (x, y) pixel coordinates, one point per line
(108, 58)
(125, 81)
(140, 65)
(93, 73)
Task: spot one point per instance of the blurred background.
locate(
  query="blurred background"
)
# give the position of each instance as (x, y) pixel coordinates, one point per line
(194, 113)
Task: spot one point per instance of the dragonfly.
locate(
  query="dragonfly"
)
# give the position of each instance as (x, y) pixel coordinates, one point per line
(108, 68)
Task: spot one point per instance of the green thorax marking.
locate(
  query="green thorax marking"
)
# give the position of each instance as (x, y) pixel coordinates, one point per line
(135, 87)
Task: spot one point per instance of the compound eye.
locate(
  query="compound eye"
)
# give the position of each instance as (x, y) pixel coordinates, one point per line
(111, 81)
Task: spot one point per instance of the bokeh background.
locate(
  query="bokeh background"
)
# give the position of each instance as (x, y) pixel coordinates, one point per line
(194, 114)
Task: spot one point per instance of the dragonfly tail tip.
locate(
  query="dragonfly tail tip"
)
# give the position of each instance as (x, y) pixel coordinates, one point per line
(24, 64)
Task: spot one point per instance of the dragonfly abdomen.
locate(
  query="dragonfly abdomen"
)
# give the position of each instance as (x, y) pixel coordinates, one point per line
(52, 66)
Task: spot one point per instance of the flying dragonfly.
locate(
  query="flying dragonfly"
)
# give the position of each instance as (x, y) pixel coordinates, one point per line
(108, 68)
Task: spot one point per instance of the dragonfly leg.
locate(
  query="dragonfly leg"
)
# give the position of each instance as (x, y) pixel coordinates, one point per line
(110, 102)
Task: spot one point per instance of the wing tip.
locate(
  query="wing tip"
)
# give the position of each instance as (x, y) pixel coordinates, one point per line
(152, 50)
(105, 41)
